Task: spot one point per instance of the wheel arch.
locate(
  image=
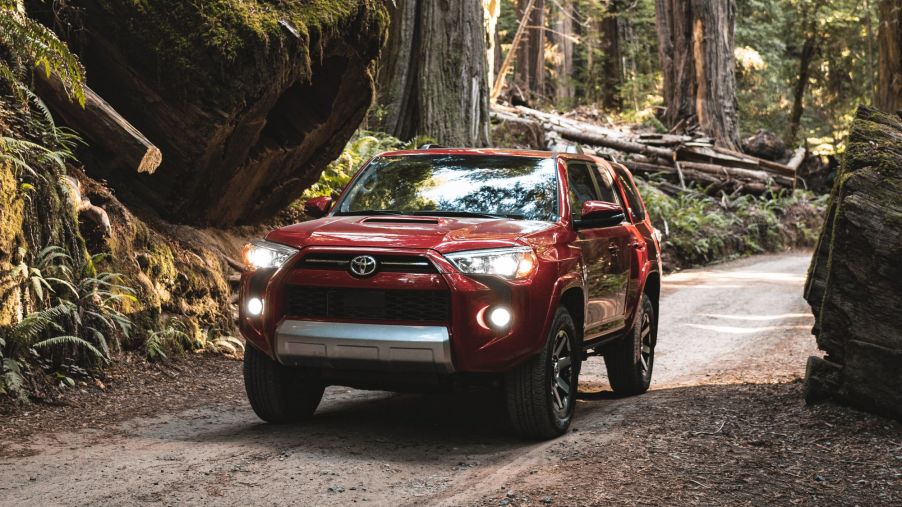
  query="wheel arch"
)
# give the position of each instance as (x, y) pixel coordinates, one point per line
(653, 288)
(574, 300)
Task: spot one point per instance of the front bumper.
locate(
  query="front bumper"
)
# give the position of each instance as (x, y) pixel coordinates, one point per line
(341, 345)
(467, 344)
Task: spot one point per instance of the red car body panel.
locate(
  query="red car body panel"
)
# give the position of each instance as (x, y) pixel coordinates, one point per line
(475, 347)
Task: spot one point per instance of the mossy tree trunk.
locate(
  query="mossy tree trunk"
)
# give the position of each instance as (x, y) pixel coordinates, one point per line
(854, 285)
(695, 43)
(434, 78)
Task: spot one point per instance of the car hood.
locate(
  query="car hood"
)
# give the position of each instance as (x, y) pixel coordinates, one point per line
(395, 231)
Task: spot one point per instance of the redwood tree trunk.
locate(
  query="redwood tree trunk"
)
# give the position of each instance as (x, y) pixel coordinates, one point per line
(531, 53)
(612, 57)
(889, 57)
(433, 80)
(695, 42)
(563, 27)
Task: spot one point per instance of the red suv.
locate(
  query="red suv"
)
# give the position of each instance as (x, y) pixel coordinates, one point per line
(441, 268)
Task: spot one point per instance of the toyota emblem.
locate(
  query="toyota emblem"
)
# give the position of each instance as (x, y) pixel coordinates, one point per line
(363, 265)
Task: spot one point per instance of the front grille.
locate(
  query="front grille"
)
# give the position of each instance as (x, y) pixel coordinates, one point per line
(368, 304)
(390, 263)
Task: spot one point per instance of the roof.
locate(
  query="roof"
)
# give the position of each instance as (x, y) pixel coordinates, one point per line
(473, 151)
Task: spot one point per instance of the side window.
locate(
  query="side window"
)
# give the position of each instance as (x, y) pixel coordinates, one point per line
(637, 210)
(582, 187)
(606, 185)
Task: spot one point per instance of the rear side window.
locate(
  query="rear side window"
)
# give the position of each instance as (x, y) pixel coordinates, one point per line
(637, 210)
(582, 187)
(606, 185)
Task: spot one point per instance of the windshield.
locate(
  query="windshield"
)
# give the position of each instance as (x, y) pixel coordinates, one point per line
(456, 185)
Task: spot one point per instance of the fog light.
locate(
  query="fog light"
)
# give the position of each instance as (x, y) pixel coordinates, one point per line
(500, 317)
(255, 306)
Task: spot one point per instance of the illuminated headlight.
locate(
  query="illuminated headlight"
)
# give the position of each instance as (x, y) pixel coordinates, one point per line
(511, 263)
(266, 255)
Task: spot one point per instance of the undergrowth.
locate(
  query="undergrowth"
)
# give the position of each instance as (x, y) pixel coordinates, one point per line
(698, 229)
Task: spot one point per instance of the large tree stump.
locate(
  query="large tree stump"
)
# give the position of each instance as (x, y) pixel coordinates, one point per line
(854, 285)
(248, 101)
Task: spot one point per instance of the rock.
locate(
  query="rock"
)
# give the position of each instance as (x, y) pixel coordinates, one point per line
(248, 101)
(854, 284)
(765, 145)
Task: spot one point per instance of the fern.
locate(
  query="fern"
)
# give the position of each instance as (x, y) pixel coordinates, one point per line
(32, 41)
(70, 340)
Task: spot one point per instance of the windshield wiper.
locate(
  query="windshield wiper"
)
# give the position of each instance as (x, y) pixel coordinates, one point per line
(369, 212)
(467, 214)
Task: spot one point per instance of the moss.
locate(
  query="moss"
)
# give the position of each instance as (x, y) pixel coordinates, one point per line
(11, 240)
(194, 48)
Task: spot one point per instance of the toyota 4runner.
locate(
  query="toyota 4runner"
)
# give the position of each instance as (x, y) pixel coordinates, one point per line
(443, 267)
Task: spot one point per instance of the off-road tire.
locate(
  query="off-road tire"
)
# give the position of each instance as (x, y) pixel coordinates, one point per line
(530, 401)
(279, 394)
(630, 361)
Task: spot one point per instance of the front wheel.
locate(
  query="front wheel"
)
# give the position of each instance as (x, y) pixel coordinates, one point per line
(279, 393)
(541, 393)
(630, 361)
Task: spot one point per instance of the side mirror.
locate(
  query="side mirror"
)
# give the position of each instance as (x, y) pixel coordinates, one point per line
(318, 206)
(599, 214)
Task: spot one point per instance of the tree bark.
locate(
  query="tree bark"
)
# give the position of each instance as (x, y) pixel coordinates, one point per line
(853, 283)
(889, 57)
(695, 44)
(612, 58)
(563, 27)
(434, 79)
(531, 53)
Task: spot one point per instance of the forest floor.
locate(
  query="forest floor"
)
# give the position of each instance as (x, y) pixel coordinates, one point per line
(724, 423)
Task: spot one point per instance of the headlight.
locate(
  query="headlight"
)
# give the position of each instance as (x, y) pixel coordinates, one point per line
(266, 255)
(511, 263)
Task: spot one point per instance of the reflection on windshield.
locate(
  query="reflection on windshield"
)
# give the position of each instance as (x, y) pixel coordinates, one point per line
(517, 187)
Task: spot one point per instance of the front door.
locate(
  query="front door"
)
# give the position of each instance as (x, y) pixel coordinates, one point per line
(604, 250)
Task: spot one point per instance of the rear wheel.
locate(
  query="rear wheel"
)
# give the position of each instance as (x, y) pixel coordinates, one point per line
(541, 393)
(278, 393)
(630, 361)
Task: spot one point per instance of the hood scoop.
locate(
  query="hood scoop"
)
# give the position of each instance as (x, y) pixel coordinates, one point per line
(412, 221)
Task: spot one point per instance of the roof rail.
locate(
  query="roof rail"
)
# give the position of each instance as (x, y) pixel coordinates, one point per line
(430, 146)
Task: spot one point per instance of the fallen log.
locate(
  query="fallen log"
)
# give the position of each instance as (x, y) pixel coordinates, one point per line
(737, 173)
(536, 135)
(101, 124)
(617, 144)
(853, 283)
(797, 158)
(688, 174)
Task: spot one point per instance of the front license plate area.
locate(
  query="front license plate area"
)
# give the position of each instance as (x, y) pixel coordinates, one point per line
(364, 304)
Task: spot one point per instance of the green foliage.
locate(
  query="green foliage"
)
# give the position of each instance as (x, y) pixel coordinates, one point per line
(699, 229)
(82, 321)
(769, 39)
(363, 145)
(31, 41)
(175, 337)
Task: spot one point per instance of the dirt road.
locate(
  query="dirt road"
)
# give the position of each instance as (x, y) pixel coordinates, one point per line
(690, 440)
